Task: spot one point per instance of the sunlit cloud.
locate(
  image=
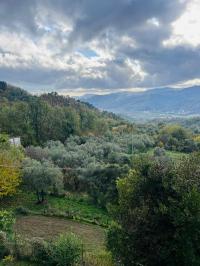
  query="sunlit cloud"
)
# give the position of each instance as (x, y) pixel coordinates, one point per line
(188, 83)
(186, 29)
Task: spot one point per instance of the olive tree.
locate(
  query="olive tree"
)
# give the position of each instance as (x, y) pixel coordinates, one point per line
(42, 177)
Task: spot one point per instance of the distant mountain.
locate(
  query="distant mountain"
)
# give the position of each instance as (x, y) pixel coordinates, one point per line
(155, 103)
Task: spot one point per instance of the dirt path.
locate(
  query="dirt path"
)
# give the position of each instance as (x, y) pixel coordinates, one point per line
(50, 227)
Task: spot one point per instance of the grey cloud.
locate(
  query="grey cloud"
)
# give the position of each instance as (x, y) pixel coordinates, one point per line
(18, 15)
(123, 16)
(104, 22)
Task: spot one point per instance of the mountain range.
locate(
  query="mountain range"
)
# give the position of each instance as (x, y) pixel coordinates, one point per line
(154, 103)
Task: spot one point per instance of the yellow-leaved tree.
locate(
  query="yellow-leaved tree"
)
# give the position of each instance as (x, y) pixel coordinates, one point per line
(10, 174)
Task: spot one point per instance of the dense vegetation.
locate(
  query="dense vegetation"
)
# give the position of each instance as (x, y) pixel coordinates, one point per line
(158, 213)
(94, 171)
(48, 117)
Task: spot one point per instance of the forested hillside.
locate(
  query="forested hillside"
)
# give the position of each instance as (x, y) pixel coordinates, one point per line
(37, 119)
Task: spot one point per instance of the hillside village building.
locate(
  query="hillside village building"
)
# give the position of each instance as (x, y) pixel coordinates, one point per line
(15, 141)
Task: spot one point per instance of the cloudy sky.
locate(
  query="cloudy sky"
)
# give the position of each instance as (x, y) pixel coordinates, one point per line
(91, 46)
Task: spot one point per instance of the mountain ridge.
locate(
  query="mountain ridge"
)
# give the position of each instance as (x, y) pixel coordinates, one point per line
(161, 101)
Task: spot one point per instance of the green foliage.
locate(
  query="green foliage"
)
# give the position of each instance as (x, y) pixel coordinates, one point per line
(175, 137)
(90, 164)
(42, 178)
(102, 183)
(7, 221)
(8, 260)
(73, 206)
(159, 214)
(41, 251)
(156, 205)
(4, 141)
(49, 117)
(4, 250)
(66, 250)
(114, 240)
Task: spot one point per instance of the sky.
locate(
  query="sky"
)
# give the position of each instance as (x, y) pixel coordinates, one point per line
(78, 47)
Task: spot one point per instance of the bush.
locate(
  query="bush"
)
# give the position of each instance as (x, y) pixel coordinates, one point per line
(114, 239)
(40, 251)
(4, 250)
(22, 248)
(8, 260)
(22, 210)
(6, 222)
(66, 250)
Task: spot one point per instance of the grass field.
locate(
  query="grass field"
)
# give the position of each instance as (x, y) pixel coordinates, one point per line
(49, 228)
(172, 154)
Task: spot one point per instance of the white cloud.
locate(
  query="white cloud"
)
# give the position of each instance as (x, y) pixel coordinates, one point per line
(186, 29)
(48, 44)
(136, 71)
(188, 83)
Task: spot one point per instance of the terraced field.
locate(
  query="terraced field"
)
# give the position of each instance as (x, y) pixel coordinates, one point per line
(50, 227)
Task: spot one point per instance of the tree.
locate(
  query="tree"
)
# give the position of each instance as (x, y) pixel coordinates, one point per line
(10, 173)
(42, 177)
(102, 183)
(175, 137)
(159, 214)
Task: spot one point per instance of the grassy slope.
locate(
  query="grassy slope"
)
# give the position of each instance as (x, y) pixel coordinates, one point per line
(76, 206)
(93, 236)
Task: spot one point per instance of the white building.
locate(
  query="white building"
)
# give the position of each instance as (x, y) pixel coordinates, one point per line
(15, 141)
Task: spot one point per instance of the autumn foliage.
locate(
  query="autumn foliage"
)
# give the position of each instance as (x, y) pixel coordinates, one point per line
(10, 158)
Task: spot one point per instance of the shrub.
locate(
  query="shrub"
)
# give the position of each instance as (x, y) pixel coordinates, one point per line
(21, 210)
(8, 260)
(6, 222)
(22, 247)
(4, 250)
(66, 250)
(40, 251)
(114, 239)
